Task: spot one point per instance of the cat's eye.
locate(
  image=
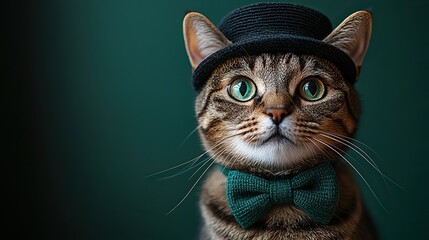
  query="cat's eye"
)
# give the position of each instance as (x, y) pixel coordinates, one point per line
(312, 89)
(242, 89)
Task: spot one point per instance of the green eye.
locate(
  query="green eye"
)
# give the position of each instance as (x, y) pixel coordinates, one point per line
(242, 89)
(312, 89)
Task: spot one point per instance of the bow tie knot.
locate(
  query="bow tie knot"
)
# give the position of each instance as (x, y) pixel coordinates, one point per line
(281, 192)
(315, 191)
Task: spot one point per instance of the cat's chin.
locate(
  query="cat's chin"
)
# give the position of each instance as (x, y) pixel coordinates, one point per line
(276, 151)
(277, 139)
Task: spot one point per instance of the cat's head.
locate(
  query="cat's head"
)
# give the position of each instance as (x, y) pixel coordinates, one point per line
(276, 111)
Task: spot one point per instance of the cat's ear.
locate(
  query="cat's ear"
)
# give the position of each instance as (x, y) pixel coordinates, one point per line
(202, 38)
(352, 36)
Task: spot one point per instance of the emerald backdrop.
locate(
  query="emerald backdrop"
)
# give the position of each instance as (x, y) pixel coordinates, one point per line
(98, 96)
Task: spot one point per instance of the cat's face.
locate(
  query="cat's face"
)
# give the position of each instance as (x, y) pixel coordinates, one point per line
(271, 111)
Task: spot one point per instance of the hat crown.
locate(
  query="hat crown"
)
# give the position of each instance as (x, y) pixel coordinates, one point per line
(274, 19)
(274, 28)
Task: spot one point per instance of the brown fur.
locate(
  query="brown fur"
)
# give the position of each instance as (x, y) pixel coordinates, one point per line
(234, 133)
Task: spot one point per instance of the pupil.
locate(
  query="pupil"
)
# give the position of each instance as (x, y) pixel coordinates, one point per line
(243, 88)
(312, 87)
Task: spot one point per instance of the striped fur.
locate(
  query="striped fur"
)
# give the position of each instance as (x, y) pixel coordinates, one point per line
(233, 131)
(239, 129)
(234, 134)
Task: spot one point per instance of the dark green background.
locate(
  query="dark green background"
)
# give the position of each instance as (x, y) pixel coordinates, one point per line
(97, 95)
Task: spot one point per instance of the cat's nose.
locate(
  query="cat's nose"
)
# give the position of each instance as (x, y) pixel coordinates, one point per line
(276, 114)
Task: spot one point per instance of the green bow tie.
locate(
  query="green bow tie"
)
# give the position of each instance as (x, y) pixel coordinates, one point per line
(315, 191)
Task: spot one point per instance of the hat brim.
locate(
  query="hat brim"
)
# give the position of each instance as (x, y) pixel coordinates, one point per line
(279, 43)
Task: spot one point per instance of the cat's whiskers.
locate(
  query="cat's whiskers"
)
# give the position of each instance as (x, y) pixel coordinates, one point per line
(171, 168)
(188, 136)
(205, 161)
(227, 157)
(344, 153)
(208, 167)
(249, 132)
(191, 162)
(339, 149)
(192, 188)
(306, 146)
(215, 154)
(247, 123)
(361, 153)
(326, 153)
(355, 140)
(253, 138)
(183, 170)
(352, 146)
(209, 150)
(246, 131)
(345, 159)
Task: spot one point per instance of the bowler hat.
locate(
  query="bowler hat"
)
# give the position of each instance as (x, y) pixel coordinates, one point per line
(273, 28)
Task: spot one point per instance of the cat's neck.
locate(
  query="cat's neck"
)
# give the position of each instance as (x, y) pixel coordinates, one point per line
(275, 170)
(279, 174)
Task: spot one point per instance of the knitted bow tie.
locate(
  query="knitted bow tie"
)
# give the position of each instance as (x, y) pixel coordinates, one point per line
(315, 191)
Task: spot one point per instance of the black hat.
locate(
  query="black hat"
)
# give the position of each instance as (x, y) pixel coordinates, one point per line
(272, 28)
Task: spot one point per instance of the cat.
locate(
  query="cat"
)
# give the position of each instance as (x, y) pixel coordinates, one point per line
(278, 114)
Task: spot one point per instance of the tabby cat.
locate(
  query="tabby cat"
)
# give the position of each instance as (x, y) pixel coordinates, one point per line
(278, 114)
